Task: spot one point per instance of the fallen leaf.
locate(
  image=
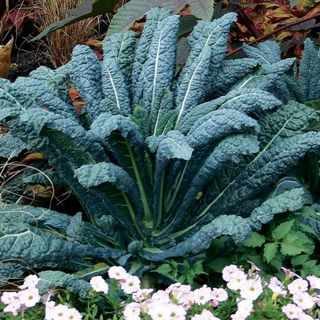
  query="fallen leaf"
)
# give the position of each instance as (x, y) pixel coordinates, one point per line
(33, 156)
(5, 56)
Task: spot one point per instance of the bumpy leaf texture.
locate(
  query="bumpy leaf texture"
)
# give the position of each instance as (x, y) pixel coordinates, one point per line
(161, 164)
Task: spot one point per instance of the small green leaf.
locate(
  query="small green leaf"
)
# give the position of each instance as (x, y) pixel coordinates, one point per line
(277, 261)
(307, 229)
(255, 240)
(295, 243)
(164, 269)
(183, 278)
(270, 250)
(315, 271)
(198, 268)
(282, 230)
(299, 260)
(310, 264)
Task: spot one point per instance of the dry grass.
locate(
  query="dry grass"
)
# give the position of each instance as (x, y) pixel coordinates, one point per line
(59, 44)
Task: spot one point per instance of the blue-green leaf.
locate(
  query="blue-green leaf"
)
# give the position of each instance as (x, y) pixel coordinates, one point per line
(236, 227)
(121, 46)
(158, 70)
(246, 100)
(154, 17)
(11, 146)
(291, 201)
(114, 87)
(287, 121)
(84, 73)
(57, 279)
(309, 72)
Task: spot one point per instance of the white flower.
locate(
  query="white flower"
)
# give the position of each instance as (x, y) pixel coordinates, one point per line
(180, 293)
(219, 294)
(251, 289)
(159, 311)
(29, 297)
(176, 312)
(118, 273)
(314, 282)
(228, 271)
(237, 280)
(132, 311)
(141, 295)
(202, 295)
(73, 314)
(292, 311)
(173, 286)
(316, 299)
(298, 285)
(204, 315)
(130, 284)
(30, 282)
(59, 312)
(9, 297)
(244, 308)
(99, 285)
(161, 296)
(304, 316)
(48, 311)
(237, 316)
(303, 300)
(13, 307)
(276, 286)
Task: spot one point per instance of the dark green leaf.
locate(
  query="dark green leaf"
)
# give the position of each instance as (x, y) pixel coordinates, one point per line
(270, 250)
(295, 243)
(255, 240)
(282, 230)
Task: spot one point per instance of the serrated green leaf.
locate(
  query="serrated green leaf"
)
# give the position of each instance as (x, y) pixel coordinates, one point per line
(255, 240)
(164, 269)
(307, 229)
(310, 264)
(198, 268)
(295, 243)
(270, 250)
(282, 230)
(277, 261)
(299, 260)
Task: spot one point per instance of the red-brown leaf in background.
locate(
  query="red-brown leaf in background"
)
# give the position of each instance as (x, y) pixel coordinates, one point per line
(76, 100)
(17, 18)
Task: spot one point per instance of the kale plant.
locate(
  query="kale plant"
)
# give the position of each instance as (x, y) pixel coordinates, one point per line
(161, 164)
